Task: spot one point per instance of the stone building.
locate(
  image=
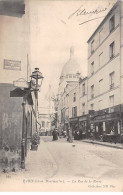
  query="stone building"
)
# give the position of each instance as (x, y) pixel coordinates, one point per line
(69, 79)
(83, 104)
(14, 77)
(105, 74)
(95, 103)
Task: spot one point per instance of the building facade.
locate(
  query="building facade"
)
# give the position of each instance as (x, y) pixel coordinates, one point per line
(96, 102)
(17, 111)
(69, 80)
(105, 73)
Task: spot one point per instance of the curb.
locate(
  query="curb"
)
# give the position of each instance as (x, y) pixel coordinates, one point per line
(92, 142)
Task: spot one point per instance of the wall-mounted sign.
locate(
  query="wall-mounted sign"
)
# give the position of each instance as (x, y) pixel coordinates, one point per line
(21, 83)
(12, 64)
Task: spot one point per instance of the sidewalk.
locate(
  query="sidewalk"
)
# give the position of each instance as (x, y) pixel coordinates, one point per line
(107, 144)
(40, 163)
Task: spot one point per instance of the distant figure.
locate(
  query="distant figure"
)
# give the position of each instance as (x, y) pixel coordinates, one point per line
(65, 133)
(55, 134)
(69, 135)
(46, 133)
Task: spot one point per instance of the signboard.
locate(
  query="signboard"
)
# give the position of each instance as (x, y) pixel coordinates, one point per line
(83, 118)
(73, 119)
(21, 83)
(12, 64)
(106, 117)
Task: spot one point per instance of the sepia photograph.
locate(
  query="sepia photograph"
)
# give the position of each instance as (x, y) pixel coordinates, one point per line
(61, 96)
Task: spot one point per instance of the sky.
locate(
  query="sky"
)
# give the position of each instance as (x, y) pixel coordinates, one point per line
(55, 26)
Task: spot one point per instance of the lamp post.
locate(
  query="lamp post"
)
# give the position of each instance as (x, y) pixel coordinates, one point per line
(35, 85)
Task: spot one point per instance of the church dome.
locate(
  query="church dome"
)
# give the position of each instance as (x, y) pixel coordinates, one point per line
(71, 67)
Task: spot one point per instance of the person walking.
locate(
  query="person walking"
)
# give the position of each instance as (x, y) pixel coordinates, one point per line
(55, 134)
(69, 135)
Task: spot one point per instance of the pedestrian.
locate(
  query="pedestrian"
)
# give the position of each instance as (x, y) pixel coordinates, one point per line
(65, 133)
(55, 134)
(69, 139)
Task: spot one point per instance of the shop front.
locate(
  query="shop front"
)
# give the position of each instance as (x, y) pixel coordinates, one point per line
(74, 124)
(106, 127)
(83, 126)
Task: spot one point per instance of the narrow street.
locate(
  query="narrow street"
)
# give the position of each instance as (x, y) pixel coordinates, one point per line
(61, 162)
(80, 159)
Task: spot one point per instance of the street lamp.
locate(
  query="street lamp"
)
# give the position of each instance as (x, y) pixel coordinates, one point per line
(36, 75)
(35, 85)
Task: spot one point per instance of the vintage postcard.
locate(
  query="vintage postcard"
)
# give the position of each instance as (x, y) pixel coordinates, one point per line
(61, 96)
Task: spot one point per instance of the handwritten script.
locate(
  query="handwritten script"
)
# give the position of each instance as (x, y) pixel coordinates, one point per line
(80, 11)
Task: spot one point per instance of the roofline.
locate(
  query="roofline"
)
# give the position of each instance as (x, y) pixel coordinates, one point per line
(108, 14)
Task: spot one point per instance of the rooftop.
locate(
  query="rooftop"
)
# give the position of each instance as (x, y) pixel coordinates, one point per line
(109, 13)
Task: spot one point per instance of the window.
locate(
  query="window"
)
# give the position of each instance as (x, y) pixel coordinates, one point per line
(83, 89)
(112, 24)
(74, 111)
(92, 106)
(92, 91)
(111, 77)
(111, 99)
(74, 97)
(43, 124)
(111, 50)
(92, 47)
(100, 86)
(101, 59)
(83, 108)
(100, 35)
(92, 68)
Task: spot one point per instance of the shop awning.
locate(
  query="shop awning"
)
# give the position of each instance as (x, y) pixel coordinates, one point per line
(18, 92)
